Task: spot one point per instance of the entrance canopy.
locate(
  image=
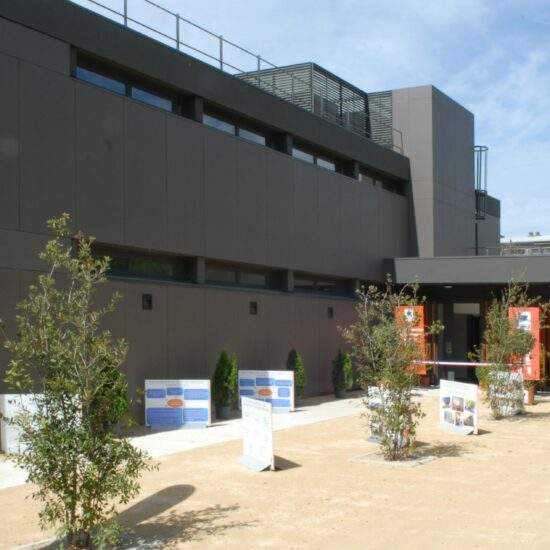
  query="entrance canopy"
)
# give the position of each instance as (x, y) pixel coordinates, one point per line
(471, 270)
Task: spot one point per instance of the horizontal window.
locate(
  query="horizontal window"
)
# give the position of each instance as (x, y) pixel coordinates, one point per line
(327, 164)
(129, 263)
(366, 178)
(321, 285)
(230, 128)
(101, 80)
(312, 158)
(123, 86)
(219, 124)
(302, 155)
(229, 274)
(152, 99)
(220, 274)
(252, 136)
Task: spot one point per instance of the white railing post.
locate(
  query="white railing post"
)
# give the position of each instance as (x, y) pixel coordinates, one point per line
(221, 52)
(259, 66)
(178, 31)
(125, 13)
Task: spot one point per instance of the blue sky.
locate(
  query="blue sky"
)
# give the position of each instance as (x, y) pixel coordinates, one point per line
(493, 56)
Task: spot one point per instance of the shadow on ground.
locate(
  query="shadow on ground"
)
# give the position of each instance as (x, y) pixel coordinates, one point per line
(439, 450)
(151, 524)
(284, 464)
(179, 527)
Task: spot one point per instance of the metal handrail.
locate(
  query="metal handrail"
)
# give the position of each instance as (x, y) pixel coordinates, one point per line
(222, 62)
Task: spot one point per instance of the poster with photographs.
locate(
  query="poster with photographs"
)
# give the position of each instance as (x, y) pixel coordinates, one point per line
(458, 407)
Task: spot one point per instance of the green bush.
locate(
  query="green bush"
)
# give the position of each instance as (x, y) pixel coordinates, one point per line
(342, 371)
(225, 382)
(295, 363)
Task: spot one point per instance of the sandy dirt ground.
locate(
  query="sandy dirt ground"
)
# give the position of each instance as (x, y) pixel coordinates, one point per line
(487, 491)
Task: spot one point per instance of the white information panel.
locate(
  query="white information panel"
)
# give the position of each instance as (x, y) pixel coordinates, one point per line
(177, 403)
(458, 407)
(274, 386)
(257, 425)
(11, 404)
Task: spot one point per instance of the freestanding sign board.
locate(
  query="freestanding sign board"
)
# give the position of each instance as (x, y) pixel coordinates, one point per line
(458, 407)
(11, 404)
(257, 424)
(274, 386)
(528, 318)
(413, 318)
(177, 403)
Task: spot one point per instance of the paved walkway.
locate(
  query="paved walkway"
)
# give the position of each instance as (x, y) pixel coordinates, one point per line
(311, 410)
(167, 442)
(162, 443)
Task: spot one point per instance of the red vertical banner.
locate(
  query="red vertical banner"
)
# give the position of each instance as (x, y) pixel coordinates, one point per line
(528, 318)
(415, 317)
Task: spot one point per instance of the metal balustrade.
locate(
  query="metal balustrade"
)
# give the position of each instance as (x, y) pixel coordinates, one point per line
(359, 112)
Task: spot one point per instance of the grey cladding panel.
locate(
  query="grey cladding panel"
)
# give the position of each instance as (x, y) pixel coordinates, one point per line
(252, 203)
(281, 329)
(19, 250)
(35, 47)
(221, 330)
(306, 218)
(251, 338)
(352, 237)
(186, 332)
(145, 176)
(47, 127)
(280, 208)
(9, 296)
(369, 199)
(100, 163)
(9, 143)
(186, 186)
(221, 195)
(330, 197)
(306, 334)
(147, 334)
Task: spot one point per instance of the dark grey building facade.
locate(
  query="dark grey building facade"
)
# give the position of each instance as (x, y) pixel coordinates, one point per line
(236, 220)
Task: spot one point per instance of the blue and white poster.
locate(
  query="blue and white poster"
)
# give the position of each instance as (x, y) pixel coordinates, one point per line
(273, 386)
(177, 403)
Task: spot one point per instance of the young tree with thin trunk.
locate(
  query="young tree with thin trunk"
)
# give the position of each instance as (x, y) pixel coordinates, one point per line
(504, 346)
(61, 355)
(384, 352)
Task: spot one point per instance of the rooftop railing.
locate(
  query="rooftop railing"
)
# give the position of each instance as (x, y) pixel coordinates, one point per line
(176, 31)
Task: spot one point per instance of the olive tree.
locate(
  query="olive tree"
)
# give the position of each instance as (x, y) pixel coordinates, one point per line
(384, 352)
(61, 355)
(504, 346)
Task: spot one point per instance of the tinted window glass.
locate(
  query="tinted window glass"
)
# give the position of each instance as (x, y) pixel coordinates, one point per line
(151, 99)
(100, 80)
(299, 154)
(253, 278)
(252, 136)
(320, 285)
(365, 177)
(323, 163)
(219, 124)
(304, 284)
(125, 263)
(221, 274)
